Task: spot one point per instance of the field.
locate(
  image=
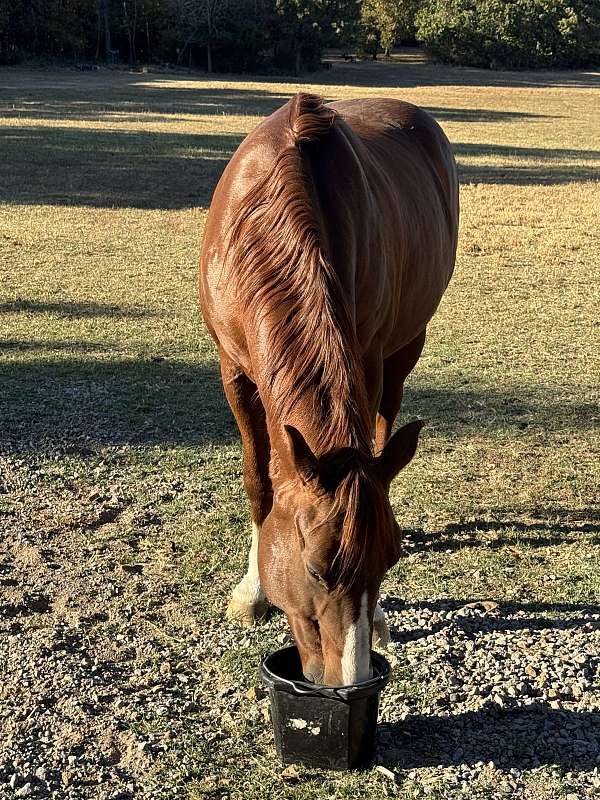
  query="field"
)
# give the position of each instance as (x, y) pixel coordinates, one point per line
(124, 525)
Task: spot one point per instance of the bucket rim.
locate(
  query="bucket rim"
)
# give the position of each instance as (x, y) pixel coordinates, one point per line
(374, 684)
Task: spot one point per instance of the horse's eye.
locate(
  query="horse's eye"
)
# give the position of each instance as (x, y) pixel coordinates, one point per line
(314, 574)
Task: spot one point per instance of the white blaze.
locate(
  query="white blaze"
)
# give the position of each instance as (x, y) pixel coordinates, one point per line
(356, 658)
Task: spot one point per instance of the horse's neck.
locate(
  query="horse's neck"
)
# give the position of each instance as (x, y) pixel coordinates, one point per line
(324, 429)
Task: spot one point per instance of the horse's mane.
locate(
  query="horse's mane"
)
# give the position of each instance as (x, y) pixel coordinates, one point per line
(362, 501)
(288, 286)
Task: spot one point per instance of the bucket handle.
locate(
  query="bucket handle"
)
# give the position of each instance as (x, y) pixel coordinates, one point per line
(341, 692)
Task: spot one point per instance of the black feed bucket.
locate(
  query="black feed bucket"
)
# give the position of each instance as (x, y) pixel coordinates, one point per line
(324, 726)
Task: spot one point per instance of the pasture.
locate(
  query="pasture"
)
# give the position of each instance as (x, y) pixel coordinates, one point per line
(124, 524)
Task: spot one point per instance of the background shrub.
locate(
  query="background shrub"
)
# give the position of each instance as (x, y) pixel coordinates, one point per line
(514, 34)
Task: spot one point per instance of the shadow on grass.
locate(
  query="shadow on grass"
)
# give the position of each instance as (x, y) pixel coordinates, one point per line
(144, 101)
(518, 735)
(509, 151)
(450, 412)
(456, 603)
(70, 310)
(108, 168)
(495, 621)
(471, 624)
(132, 168)
(444, 114)
(156, 103)
(523, 737)
(525, 175)
(80, 404)
(22, 346)
(566, 515)
(107, 398)
(553, 165)
(407, 69)
(459, 536)
(412, 74)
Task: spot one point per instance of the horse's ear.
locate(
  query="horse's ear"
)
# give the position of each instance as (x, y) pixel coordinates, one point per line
(301, 456)
(399, 450)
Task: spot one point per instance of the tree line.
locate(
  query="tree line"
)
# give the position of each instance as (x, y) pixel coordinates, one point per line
(290, 35)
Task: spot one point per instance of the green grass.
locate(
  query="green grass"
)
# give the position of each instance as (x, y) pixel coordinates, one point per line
(109, 380)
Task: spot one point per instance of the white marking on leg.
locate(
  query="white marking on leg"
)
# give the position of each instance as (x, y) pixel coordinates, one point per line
(356, 658)
(381, 633)
(248, 590)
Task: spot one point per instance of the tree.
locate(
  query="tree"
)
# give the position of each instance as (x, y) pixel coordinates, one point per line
(200, 22)
(130, 18)
(514, 34)
(103, 30)
(299, 22)
(384, 22)
(304, 25)
(380, 24)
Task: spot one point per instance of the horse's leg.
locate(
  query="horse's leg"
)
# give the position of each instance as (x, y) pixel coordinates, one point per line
(248, 601)
(396, 368)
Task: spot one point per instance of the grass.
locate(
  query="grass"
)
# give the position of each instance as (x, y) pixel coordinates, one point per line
(109, 380)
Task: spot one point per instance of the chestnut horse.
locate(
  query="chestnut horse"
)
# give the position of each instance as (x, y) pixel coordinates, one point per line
(329, 243)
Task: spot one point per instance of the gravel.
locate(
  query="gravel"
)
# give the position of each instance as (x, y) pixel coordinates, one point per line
(110, 689)
(488, 697)
(100, 667)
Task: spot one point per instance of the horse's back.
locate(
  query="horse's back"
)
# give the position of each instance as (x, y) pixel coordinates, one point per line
(398, 134)
(412, 184)
(385, 194)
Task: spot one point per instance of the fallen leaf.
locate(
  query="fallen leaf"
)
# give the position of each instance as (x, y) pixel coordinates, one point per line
(290, 774)
(387, 772)
(489, 605)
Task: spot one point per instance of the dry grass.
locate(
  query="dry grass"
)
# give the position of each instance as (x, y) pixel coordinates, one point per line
(108, 377)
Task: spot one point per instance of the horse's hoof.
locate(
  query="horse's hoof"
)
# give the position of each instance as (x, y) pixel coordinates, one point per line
(246, 614)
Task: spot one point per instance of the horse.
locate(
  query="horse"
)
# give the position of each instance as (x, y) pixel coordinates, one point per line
(330, 240)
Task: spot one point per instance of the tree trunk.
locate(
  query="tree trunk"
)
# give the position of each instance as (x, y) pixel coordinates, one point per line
(130, 30)
(209, 30)
(298, 59)
(99, 17)
(34, 29)
(133, 30)
(107, 41)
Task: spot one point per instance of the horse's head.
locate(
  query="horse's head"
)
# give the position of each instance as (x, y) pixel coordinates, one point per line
(325, 547)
